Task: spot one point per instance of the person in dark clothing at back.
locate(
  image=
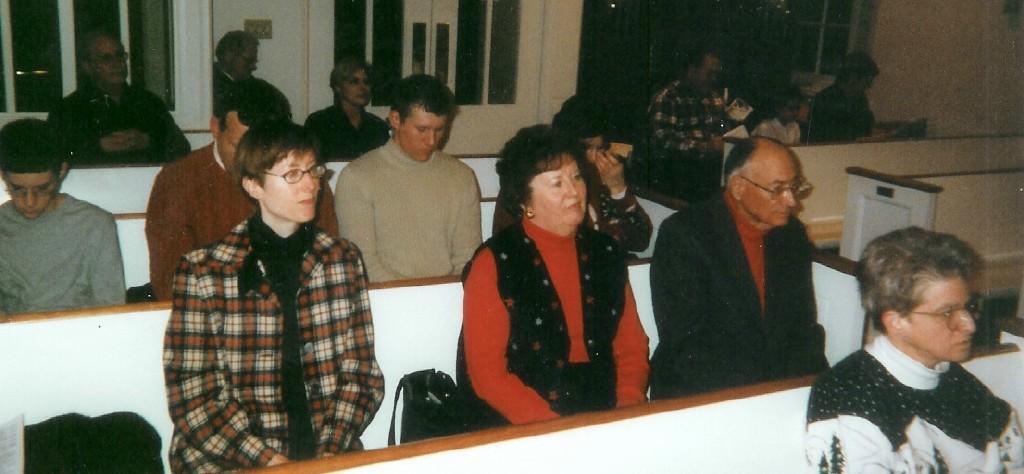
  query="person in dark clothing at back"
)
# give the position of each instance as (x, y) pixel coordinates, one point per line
(346, 130)
(108, 120)
(841, 112)
(731, 281)
(237, 53)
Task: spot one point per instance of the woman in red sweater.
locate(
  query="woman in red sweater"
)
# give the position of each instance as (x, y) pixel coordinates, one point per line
(549, 322)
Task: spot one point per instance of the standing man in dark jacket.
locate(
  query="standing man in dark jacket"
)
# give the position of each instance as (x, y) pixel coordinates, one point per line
(731, 282)
(109, 121)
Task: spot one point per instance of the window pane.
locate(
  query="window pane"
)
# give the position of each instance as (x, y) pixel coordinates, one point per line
(36, 55)
(834, 49)
(469, 60)
(501, 88)
(839, 11)
(419, 48)
(805, 47)
(807, 10)
(441, 52)
(152, 44)
(349, 29)
(387, 49)
(3, 85)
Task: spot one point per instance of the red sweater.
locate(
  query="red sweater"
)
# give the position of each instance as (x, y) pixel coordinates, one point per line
(486, 327)
(753, 245)
(195, 203)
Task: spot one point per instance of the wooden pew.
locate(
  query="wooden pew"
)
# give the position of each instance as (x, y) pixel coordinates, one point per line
(131, 237)
(114, 353)
(92, 362)
(757, 428)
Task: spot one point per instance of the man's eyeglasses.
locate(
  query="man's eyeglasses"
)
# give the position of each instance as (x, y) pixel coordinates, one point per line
(954, 316)
(799, 188)
(294, 175)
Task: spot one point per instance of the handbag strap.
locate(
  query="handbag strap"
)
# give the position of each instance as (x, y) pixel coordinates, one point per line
(394, 409)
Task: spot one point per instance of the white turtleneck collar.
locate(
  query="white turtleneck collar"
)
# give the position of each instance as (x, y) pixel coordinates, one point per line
(907, 370)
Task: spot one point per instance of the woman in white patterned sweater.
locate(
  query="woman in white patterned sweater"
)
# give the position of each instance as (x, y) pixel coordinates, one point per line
(904, 404)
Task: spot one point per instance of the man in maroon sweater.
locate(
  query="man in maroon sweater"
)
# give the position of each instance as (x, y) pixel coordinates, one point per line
(195, 202)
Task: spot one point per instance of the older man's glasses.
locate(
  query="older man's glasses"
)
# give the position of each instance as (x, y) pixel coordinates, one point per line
(953, 317)
(295, 175)
(799, 188)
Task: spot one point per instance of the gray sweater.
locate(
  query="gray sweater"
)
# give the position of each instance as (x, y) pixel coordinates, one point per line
(410, 219)
(64, 259)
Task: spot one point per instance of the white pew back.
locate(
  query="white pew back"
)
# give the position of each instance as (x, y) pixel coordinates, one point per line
(762, 434)
(131, 236)
(91, 365)
(113, 362)
(756, 429)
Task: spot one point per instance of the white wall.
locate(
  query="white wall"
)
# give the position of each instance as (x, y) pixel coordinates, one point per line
(825, 165)
(960, 64)
(284, 61)
(299, 57)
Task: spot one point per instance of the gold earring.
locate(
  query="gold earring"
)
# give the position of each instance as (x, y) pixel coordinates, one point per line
(529, 213)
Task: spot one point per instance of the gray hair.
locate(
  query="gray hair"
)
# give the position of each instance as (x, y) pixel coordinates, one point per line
(896, 267)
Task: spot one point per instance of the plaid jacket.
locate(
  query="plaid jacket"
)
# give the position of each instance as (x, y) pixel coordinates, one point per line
(681, 119)
(222, 358)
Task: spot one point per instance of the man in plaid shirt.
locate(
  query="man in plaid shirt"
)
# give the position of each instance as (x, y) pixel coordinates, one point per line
(268, 355)
(686, 118)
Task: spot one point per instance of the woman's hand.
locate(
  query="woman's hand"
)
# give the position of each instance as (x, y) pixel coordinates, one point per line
(277, 460)
(610, 169)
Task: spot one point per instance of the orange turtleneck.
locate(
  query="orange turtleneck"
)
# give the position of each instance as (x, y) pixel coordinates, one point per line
(753, 245)
(486, 332)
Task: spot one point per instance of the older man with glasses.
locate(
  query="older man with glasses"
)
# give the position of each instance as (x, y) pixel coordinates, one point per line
(108, 120)
(731, 281)
(904, 403)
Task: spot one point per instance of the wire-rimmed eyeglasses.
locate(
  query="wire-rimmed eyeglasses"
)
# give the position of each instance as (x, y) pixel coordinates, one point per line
(294, 175)
(799, 188)
(953, 316)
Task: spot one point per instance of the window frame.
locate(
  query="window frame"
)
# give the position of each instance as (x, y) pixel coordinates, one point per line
(475, 130)
(822, 25)
(192, 45)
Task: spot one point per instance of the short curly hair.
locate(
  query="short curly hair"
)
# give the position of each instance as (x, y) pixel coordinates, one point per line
(533, 150)
(896, 268)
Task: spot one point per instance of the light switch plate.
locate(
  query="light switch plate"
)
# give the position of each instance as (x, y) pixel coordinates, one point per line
(261, 28)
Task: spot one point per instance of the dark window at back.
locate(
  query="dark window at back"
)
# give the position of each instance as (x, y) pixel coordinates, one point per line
(3, 85)
(151, 56)
(35, 41)
(349, 29)
(469, 62)
(501, 84)
(387, 49)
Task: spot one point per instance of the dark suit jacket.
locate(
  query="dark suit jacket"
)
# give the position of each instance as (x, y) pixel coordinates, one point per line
(708, 312)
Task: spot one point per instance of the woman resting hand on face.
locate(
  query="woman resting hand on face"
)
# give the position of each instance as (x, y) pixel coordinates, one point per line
(550, 326)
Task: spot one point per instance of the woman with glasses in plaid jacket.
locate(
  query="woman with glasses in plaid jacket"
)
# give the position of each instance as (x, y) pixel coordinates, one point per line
(268, 355)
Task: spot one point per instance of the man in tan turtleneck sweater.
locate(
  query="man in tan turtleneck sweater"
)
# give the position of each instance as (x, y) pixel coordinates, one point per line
(413, 210)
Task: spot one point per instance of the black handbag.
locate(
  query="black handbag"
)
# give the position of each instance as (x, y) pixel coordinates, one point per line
(433, 407)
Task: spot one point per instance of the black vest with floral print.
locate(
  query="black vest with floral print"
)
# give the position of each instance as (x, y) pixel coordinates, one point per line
(538, 345)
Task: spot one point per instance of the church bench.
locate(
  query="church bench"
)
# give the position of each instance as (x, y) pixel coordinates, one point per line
(110, 358)
(757, 428)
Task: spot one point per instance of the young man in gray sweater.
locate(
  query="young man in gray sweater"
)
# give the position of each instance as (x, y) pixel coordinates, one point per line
(56, 252)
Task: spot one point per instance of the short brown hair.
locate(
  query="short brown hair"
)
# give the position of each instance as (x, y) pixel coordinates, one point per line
(265, 144)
